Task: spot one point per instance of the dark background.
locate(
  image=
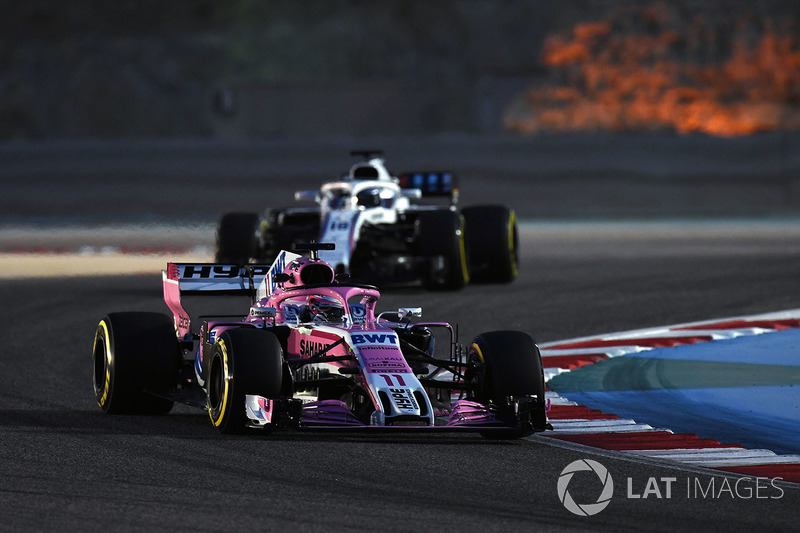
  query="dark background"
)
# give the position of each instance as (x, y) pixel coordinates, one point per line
(276, 69)
(105, 103)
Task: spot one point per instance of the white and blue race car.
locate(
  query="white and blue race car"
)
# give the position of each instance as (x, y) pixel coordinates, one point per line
(381, 234)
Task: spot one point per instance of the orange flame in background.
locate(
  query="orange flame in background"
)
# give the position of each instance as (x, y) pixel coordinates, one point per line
(646, 70)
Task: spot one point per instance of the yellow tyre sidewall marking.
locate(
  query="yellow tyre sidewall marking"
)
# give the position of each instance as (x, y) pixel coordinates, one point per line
(107, 354)
(226, 380)
(512, 221)
(478, 351)
(463, 249)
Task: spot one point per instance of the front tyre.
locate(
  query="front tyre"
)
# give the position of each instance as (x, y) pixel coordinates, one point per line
(135, 356)
(441, 241)
(492, 240)
(505, 371)
(244, 361)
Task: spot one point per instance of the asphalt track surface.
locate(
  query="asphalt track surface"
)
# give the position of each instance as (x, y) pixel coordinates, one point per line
(67, 466)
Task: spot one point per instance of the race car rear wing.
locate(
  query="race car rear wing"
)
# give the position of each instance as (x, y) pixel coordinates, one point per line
(431, 184)
(217, 279)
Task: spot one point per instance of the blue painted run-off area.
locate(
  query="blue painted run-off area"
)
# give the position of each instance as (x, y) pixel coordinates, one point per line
(744, 390)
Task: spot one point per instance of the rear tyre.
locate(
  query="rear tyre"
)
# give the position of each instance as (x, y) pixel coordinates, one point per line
(244, 361)
(504, 364)
(236, 238)
(283, 229)
(135, 356)
(492, 241)
(441, 238)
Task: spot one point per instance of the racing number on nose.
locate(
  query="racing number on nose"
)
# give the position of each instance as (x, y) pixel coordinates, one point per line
(389, 382)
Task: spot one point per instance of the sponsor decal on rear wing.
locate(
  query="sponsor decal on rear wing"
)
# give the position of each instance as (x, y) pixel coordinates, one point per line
(431, 183)
(215, 278)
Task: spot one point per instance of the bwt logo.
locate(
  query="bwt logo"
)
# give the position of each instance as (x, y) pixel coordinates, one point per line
(376, 338)
(585, 509)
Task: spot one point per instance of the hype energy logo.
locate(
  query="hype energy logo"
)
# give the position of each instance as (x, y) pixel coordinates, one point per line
(585, 509)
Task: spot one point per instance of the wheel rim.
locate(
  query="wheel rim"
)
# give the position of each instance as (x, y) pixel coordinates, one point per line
(219, 386)
(513, 244)
(99, 365)
(476, 374)
(215, 385)
(102, 365)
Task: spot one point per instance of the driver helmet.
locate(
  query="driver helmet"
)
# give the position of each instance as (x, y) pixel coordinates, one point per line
(369, 198)
(325, 309)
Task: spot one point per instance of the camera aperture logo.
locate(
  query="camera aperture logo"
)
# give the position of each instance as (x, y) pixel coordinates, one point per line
(585, 509)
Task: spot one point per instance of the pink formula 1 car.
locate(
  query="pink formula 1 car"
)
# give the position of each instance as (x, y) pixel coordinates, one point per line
(312, 353)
